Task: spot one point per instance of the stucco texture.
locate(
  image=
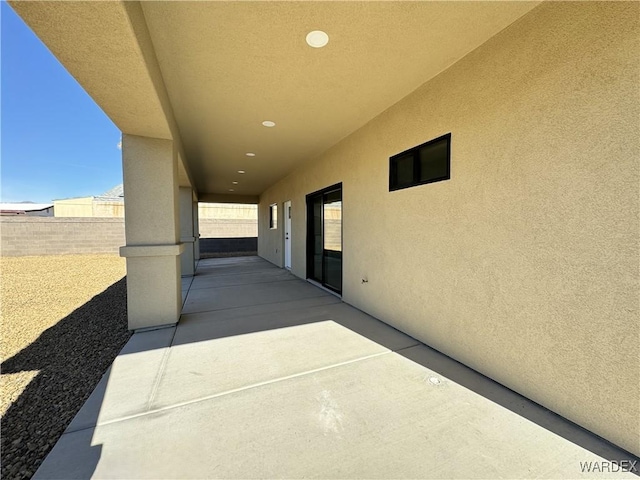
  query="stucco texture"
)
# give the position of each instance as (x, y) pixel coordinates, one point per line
(524, 265)
(152, 231)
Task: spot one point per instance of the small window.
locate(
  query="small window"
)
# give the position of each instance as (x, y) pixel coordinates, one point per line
(273, 216)
(426, 163)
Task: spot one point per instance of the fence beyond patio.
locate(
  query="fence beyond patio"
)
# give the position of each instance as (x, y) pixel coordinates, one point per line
(23, 236)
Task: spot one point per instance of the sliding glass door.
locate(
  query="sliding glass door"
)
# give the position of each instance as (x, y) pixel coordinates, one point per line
(324, 237)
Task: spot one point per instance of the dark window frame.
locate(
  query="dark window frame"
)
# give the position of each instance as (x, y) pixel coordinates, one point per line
(414, 152)
(310, 237)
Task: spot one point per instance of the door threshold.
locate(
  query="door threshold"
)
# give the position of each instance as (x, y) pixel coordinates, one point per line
(328, 290)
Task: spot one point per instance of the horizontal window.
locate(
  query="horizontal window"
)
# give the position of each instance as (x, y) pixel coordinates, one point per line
(426, 163)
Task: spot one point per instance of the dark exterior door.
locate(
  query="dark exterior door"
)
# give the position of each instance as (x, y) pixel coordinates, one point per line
(324, 237)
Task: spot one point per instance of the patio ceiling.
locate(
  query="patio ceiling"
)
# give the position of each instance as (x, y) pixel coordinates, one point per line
(209, 73)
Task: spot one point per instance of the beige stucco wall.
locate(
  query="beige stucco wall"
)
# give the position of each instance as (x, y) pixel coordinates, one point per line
(108, 209)
(88, 207)
(524, 265)
(73, 207)
(152, 231)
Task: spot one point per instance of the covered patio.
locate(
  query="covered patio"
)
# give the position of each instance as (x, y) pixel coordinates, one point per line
(268, 376)
(466, 172)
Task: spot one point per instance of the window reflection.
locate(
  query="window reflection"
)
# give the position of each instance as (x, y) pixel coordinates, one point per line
(333, 226)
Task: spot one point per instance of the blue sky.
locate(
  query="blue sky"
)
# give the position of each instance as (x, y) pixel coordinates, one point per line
(56, 142)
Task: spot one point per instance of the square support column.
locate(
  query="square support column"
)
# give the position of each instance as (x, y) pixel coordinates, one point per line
(187, 259)
(153, 249)
(196, 231)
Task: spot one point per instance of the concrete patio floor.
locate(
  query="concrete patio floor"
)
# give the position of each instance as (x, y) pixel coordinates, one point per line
(268, 376)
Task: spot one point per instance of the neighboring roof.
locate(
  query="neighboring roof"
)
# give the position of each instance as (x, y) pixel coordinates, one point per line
(71, 198)
(116, 192)
(24, 207)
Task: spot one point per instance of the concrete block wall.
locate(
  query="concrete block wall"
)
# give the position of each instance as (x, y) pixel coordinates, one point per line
(228, 228)
(24, 236)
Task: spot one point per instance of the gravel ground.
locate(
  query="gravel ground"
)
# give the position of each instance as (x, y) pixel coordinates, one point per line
(63, 323)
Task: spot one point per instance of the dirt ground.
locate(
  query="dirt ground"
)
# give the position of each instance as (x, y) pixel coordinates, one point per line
(63, 323)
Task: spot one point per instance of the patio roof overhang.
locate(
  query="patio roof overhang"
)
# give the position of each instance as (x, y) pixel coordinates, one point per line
(207, 74)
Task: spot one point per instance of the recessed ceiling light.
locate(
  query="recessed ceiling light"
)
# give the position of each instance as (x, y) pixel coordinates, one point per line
(269, 123)
(235, 183)
(231, 190)
(317, 39)
(250, 154)
(241, 171)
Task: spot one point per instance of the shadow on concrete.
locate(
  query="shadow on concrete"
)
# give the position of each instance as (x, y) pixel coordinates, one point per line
(70, 357)
(238, 321)
(522, 406)
(258, 318)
